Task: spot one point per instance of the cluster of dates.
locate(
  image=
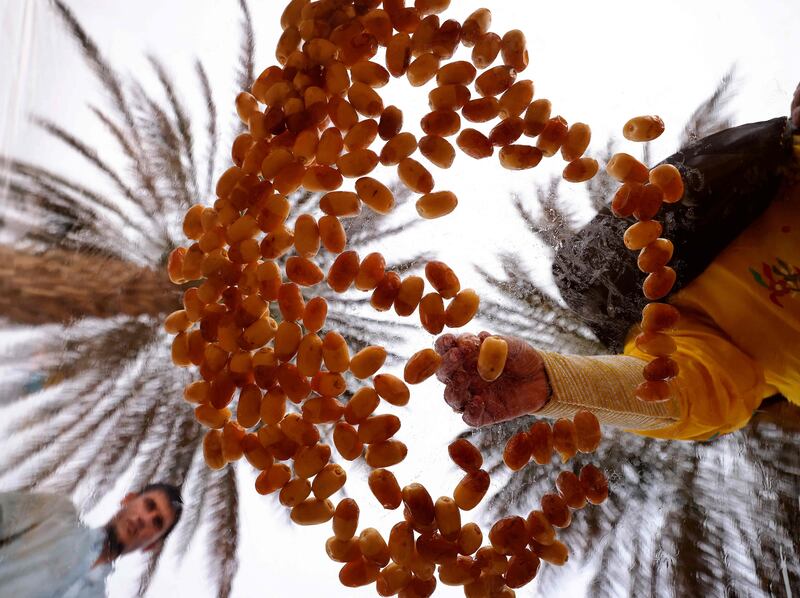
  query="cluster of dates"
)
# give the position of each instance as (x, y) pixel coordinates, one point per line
(267, 387)
(641, 195)
(432, 533)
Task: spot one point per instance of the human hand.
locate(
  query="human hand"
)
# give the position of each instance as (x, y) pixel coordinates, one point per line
(521, 389)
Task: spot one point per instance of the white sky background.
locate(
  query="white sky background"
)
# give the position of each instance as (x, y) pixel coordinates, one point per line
(599, 63)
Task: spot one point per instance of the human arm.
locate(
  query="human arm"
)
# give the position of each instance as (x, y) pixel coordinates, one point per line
(544, 383)
(718, 388)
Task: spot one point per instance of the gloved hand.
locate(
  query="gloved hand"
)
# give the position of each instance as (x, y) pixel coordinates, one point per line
(521, 389)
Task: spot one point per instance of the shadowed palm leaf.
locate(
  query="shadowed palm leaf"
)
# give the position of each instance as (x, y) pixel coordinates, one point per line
(87, 274)
(682, 518)
(710, 117)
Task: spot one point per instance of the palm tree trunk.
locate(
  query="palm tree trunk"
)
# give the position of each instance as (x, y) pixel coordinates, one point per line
(60, 286)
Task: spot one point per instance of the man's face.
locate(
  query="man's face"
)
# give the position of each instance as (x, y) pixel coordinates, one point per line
(142, 520)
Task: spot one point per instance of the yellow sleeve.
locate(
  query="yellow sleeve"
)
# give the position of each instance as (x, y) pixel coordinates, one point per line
(718, 387)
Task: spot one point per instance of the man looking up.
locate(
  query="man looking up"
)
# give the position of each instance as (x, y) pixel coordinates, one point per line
(46, 551)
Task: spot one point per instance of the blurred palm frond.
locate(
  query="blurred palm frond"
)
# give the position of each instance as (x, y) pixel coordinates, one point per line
(710, 116)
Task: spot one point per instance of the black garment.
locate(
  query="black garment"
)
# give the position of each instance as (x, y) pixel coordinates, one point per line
(730, 178)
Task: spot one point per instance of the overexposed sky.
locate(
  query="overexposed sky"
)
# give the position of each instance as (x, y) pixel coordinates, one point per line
(599, 63)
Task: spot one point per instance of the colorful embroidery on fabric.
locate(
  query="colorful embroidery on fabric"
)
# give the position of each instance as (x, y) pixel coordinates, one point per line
(779, 279)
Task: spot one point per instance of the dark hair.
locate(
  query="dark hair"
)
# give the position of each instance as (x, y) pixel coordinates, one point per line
(173, 494)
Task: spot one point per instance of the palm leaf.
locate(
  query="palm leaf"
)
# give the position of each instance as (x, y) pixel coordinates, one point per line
(104, 72)
(246, 63)
(182, 124)
(91, 155)
(140, 168)
(601, 186)
(522, 309)
(709, 117)
(211, 129)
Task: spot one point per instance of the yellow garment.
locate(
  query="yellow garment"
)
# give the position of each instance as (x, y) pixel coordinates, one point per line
(739, 337)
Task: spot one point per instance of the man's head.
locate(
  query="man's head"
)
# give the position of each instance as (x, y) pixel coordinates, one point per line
(144, 519)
